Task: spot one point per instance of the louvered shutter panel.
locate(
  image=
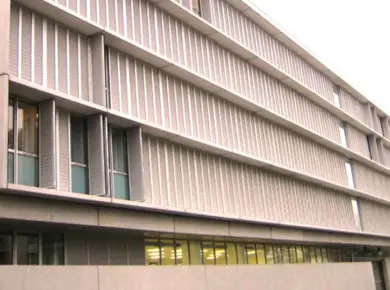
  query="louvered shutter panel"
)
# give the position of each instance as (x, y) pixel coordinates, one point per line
(96, 155)
(98, 70)
(47, 144)
(106, 156)
(135, 161)
(63, 155)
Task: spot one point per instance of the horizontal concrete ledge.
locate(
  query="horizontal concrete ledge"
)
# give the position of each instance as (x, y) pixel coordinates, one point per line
(47, 205)
(80, 23)
(335, 276)
(37, 92)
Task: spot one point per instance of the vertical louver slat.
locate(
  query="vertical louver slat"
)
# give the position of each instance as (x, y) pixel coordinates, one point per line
(63, 155)
(47, 144)
(14, 41)
(38, 49)
(96, 164)
(98, 74)
(84, 71)
(62, 58)
(25, 45)
(135, 153)
(73, 64)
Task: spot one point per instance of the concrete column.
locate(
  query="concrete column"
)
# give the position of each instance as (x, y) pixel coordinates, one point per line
(3, 128)
(373, 148)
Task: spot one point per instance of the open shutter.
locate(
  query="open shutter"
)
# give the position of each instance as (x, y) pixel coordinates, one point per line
(135, 161)
(63, 156)
(97, 176)
(98, 70)
(47, 144)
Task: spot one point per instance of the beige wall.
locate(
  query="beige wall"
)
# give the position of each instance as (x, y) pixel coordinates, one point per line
(357, 276)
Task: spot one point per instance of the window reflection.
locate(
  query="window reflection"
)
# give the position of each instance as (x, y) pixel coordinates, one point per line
(313, 259)
(269, 257)
(293, 254)
(231, 253)
(278, 254)
(260, 254)
(27, 128)
(241, 254)
(152, 252)
(28, 249)
(6, 249)
(168, 255)
(285, 255)
(208, 253)
(251, 254)
(53, 249)
(220, 253)
(182, 253)
(300, 259)
(196, 253)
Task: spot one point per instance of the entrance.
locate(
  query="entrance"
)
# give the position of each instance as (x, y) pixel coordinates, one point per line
(377, 268)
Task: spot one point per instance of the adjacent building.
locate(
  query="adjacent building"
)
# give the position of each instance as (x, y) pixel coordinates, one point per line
(193, 136)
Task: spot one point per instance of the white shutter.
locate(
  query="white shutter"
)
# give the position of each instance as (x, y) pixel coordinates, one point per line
(97, 181)
(47, 144)
(135, 162)
(63, 151)
(98, 70)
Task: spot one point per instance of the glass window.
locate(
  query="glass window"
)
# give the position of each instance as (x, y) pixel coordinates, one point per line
(333, 255)
(11, 115)
(312, 255)
(269, 256)
(27, 128)
(52, 249)
(196, 253)
(208, 253)
(319, 255)
(10, 168)
(324, 255)
(78, 128)
(119, 151)
(196, 7)
(251, 254)
(285, 255)
(28, 170)
(348, 167)
(260, 254)
(27, 246)
(182, 253)
(220, 253)
(79, 141)
(300, 259)
(306, 255)
(278, 254)
(241, 254)
(152, 252)
(231, 254)
(168, 253)
(293, 254)
(356, 213)
(6, 249)
(343, 134)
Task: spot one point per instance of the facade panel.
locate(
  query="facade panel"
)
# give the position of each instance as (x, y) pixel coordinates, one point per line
(217, 185)
(369, 180)
(357, 141)
(374, 217)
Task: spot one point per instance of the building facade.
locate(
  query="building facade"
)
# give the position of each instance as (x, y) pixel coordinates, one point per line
(192, 135)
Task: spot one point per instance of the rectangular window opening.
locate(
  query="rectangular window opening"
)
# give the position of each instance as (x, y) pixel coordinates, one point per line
(336, 96)
(350, 178)
(343, 134)
(356, 213)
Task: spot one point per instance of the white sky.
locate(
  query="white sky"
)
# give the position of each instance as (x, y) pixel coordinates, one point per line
(352, 37)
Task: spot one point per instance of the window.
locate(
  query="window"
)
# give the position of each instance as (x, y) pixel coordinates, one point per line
(269, 255)
(336, 96)
(369, 146)
(196, 7)
(356, 213)
(348, 167)
(231, 254)
(208, 253)
(79, 159)
(52, 249)
(343, 134)
(182, 253)
(6, 249)
(220, 253)
(27, 246)
(22, 143)
(278, 254)
(260, 254)
(251, 254)
(118, 165)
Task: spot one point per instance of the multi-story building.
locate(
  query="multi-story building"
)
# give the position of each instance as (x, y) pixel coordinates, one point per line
(191, 135)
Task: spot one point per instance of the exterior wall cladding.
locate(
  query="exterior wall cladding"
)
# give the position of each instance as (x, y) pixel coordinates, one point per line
(225, 119)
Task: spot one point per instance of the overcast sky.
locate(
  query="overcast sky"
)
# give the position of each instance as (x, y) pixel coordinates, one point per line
(352, 37)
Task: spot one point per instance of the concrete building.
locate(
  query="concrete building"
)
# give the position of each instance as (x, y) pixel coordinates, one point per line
(190, 135)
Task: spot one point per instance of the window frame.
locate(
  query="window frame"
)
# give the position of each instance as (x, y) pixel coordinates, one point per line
(16, 100)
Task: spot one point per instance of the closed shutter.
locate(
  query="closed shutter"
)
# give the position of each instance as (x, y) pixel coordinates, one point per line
(98, 72)
(47, 144)
(135, 159)
(63, 155)
(96, 155)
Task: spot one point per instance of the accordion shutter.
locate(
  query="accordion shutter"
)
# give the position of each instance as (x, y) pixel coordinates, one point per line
(135, 161)
(96, 155)
(47, 144)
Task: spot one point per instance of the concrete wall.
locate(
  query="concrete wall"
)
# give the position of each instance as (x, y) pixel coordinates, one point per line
(300, 277)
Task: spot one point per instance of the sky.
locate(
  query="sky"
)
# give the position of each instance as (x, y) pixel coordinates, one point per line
(352, 37)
